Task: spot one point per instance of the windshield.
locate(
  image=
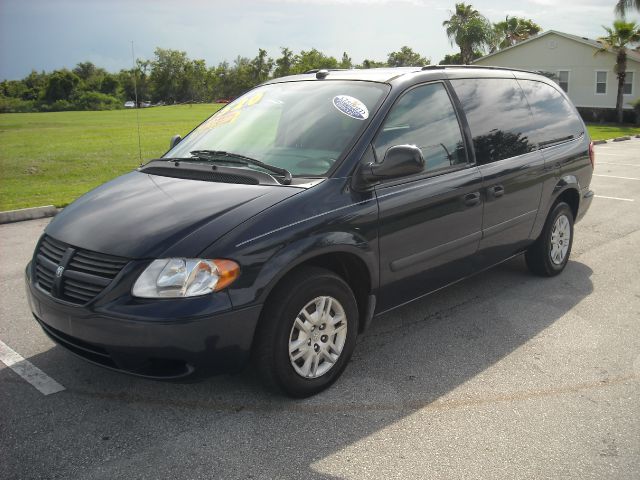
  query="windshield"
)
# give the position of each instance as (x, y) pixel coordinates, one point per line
(303, 127)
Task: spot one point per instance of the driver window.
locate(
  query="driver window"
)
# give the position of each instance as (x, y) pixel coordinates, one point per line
(424, 117)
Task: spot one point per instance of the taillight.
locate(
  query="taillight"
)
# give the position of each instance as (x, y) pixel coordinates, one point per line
(592, 155)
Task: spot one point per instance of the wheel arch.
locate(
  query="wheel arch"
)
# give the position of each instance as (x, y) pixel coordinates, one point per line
(568, 190)
(351, 263)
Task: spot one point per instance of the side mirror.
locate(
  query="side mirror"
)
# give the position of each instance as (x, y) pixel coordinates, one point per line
(399, 161)
(174, 141)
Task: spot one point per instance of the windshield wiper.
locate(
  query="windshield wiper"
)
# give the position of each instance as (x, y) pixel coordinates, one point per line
(229, 157)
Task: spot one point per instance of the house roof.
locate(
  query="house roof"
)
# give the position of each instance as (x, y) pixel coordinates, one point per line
(631, 54)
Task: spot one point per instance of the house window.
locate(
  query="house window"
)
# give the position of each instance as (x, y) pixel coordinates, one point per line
(627, 88)
(601, 82)
(563, 80)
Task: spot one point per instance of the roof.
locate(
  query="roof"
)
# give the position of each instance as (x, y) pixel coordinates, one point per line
(381, 74)
(631, 54)
(370, 74)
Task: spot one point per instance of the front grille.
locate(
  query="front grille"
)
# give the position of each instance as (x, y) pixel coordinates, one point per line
(73, 274)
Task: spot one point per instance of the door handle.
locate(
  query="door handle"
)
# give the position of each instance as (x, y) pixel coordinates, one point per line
(472, 199)
(496, 191)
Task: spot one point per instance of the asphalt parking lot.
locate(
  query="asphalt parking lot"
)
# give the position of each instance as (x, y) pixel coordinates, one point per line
(505, 375)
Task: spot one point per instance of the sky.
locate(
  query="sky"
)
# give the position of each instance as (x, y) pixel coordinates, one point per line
(51, 34)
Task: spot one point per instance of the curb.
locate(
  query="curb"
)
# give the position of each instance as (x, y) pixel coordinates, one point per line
(618, 139)
(11, 216)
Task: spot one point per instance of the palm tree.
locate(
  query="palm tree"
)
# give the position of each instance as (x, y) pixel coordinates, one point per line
(622, 35)
(512, 31)
(622, 5)
(468, 29)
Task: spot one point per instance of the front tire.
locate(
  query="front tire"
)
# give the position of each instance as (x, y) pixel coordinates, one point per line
(549, 255)
(307, 332)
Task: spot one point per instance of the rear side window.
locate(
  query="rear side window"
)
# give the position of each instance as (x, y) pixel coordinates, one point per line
(498, 116)
(554, 120)
(425, 117)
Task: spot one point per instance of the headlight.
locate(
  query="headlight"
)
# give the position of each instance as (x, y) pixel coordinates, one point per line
(184, 277)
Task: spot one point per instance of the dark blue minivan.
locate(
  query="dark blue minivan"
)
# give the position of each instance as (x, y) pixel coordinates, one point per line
(278, 228)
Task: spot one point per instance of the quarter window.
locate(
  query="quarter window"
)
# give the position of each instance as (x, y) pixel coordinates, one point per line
(554, 119)
(563, 80)
(424, 117)
(498, 116)
(601, 82)
(627, 88)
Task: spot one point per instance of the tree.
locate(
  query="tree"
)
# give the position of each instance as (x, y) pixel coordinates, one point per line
(167, 71)
(312, 59)
(622, 35)
(511, 31)
(85, 70)
(60, 85)
(135, 79)
(455, 59)
(34, 85)
(261, 66)
(193, 85)
(372, 64)
(239, 78)
(623, 5)
(110, 84)
(406, 57)
(284, 63)
(451, 59)
(346, 61)
(468, 29)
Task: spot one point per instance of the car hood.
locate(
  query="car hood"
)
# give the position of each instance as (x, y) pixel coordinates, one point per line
(147, 216)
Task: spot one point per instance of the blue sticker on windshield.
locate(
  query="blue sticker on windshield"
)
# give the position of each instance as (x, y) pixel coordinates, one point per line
(352, 107)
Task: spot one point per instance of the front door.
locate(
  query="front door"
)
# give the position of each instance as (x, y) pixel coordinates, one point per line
(429, 224)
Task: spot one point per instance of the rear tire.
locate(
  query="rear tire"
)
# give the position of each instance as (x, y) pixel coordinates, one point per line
(307, 332)
(549, 255)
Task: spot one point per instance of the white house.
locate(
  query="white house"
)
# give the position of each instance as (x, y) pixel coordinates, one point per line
(588, 78)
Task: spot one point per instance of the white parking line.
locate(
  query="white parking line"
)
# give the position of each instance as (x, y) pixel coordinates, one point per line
(28, 371)
(620, 164)
(607, 154)
(614, 176)
(616, 198)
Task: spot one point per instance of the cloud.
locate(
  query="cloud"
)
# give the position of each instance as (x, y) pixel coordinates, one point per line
(354, 2)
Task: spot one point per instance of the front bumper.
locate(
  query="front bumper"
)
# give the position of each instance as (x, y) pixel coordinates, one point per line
(155, 341)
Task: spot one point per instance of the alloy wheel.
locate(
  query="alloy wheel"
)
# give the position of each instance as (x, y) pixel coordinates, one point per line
(317, 337)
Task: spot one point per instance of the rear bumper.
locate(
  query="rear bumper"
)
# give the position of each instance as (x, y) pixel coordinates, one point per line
(586, 197)
(162, 349)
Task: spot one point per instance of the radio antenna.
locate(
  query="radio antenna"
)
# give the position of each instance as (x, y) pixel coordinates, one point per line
(135, 90)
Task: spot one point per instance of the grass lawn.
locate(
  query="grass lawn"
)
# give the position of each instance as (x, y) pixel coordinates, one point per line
(53, 158)
(605, 132)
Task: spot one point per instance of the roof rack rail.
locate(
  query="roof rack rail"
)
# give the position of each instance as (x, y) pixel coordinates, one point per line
(484, 67)
(316, 70)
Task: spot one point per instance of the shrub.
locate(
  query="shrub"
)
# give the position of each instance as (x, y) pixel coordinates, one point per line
(16, 105)
(57, 106)
(96, 101)
(636, 108)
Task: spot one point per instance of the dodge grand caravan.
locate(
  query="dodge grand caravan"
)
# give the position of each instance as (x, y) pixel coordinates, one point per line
(279, 227)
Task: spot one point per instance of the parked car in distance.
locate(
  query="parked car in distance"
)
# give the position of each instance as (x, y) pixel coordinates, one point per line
(130, 104)
(279, 227)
